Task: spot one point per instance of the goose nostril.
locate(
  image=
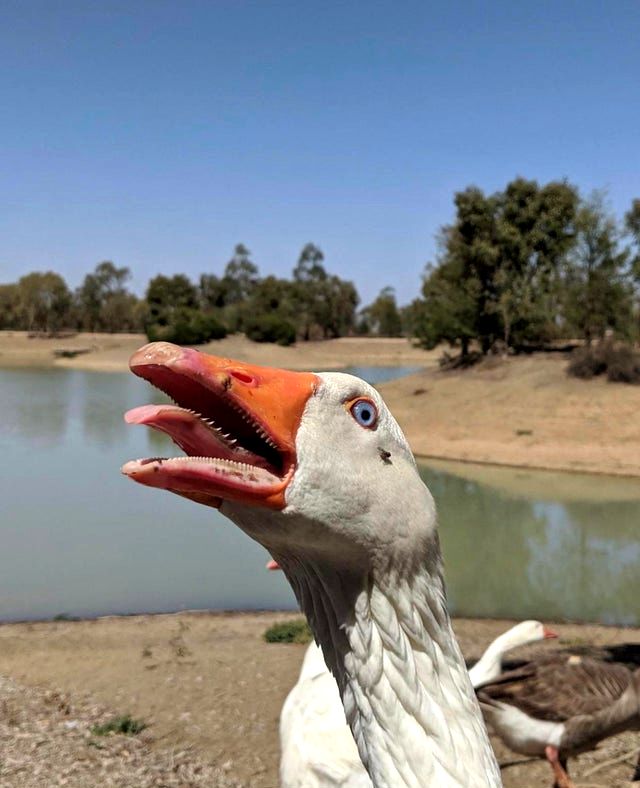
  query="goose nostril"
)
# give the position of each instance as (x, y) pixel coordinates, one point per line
(243, 377)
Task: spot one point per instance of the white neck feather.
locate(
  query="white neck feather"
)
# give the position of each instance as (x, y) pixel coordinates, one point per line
(405, 689)
(489, 666)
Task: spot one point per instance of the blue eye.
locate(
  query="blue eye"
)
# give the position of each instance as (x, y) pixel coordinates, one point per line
(365, 413)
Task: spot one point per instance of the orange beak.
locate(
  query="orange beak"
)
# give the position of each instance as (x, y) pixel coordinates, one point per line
(548, 633)
(237, 423)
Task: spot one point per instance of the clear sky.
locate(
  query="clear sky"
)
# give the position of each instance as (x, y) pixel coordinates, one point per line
(159, 134)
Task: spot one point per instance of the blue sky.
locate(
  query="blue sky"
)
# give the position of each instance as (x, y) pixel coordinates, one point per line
(159, 134)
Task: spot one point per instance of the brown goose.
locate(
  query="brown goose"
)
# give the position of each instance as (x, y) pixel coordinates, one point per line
(561, 705)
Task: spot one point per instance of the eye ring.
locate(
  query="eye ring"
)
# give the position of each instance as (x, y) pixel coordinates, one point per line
(364, 412)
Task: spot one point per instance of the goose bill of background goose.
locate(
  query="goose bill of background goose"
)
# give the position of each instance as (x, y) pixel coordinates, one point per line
(315, 468)
(561, 705)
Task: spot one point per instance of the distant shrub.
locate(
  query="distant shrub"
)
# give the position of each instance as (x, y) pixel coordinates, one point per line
(187, 327)
(296, 631)
(586, 363)
(624, 366)
(125, 725)
(620, 363)
(270, 328)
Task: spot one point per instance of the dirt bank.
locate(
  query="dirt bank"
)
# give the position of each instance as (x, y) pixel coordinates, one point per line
(210, 690)
(521, 411)
(111, 352)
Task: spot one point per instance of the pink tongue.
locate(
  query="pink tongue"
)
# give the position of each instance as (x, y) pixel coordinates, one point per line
(185, 429)
(145, 413)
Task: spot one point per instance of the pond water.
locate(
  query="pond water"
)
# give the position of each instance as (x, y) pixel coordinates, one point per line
(78, 538)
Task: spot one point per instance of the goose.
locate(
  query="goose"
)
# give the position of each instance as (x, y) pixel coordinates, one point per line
(561, 705)
(489, 666)
(317, 749)
(314, 467)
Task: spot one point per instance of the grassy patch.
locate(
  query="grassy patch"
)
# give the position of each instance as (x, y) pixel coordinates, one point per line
(289, 632)
(125, 725)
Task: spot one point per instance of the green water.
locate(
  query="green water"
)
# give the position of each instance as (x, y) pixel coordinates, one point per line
(78, 538)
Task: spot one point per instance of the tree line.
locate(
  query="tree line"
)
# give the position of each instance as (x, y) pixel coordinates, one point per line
(312, 304)
(516, 270)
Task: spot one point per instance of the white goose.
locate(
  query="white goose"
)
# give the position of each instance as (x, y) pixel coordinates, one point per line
(315, 469)
(489, 666)
(316, 745)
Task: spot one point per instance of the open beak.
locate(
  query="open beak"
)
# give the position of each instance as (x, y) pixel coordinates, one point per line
(236, 423)
(548, 633)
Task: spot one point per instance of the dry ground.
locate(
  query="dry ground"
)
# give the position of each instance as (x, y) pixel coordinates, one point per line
(210, 689)
(522, 411)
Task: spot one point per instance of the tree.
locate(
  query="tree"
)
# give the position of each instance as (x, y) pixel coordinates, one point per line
(9, 309)
(271, 312)
(273, 295)
(632, 225)
(498, 267)
(166, 294)
(174, 313)
(310, 277)
(599, 294)
(213, 291)
(103, 301)
(43, 301)
(232, 292)
(337, 311)
(240, 276)
(383, 316)
(459, 291)
(534, 232)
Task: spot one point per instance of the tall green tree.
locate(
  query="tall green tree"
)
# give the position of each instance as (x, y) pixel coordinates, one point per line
(174, 313)
(632, 225)
(9, 307)
(598, 291)
(166, 294)
(271, 314)
(235, 288)
(103, 302)
(383, 316)
(534, 232)
(213, 291)
(336, 309)
(498, 267)
(240, 276)
(310, 276)
(43, 301)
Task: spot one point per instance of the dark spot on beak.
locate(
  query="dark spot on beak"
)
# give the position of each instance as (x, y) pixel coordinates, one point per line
(226, 383)
(385, 456)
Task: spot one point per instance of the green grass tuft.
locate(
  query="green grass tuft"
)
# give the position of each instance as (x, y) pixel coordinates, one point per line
(289, 632)
(125, 725)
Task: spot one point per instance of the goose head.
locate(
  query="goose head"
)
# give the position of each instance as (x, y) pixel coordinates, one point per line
(311, 465)
(526, 632)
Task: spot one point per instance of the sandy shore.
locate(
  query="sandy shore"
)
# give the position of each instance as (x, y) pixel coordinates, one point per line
(111, 352)
(521, 411)
(210, 690)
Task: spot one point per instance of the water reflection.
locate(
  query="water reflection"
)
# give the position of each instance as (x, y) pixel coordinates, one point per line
(507, 555)
(41, 417)
(77, 537)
